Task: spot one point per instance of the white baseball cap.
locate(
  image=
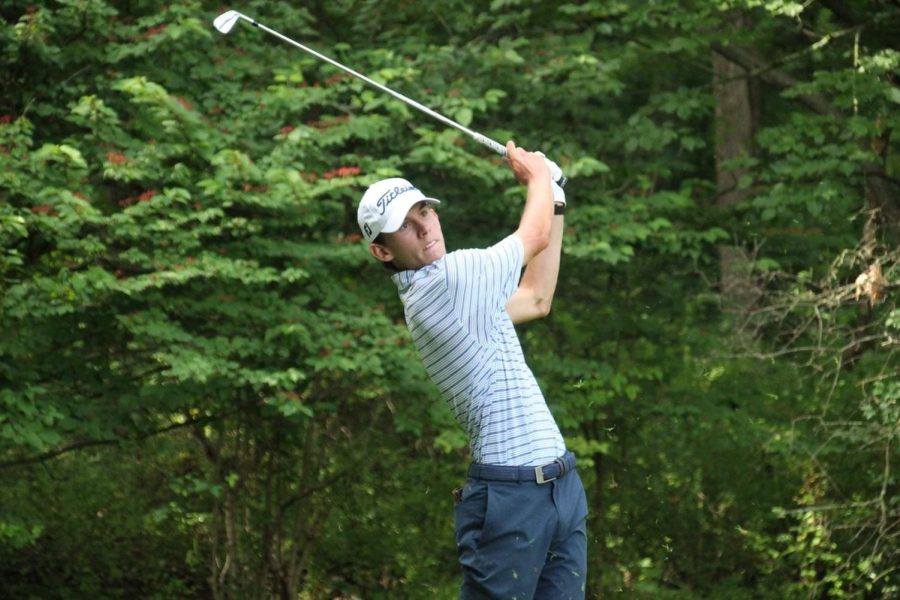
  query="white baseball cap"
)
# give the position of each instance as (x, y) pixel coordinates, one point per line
(383, 207)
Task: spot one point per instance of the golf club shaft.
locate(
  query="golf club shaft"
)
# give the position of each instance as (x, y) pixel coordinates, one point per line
(481, 139)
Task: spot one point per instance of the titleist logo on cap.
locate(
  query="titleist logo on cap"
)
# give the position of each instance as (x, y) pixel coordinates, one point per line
(389, 196)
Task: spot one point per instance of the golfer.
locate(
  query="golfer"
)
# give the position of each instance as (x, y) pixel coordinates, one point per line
(520, 519)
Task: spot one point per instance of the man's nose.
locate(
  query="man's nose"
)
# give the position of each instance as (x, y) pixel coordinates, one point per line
(422, 228)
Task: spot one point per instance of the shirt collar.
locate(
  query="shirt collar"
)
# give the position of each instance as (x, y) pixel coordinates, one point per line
(405, 279)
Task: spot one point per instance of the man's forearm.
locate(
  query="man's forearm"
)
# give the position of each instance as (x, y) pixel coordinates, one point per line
(533, 298)
(535, 224)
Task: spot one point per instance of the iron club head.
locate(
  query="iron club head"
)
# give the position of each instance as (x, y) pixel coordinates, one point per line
(225, 22)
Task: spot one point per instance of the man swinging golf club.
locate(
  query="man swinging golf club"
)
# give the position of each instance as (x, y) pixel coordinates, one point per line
(520, 519)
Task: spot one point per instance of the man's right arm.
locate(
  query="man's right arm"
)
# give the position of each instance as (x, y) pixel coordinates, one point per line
(537, 216)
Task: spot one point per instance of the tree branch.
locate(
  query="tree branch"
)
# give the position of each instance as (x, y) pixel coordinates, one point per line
(767, 72)
(105, 442)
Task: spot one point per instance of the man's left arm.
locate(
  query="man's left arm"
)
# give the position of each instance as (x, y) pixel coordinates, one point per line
(533, 297)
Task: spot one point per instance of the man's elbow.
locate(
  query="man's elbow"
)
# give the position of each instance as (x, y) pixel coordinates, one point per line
(531, 313)
(542, 308)
(530, 308)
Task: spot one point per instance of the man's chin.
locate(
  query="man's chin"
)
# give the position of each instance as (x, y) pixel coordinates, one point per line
(427, 257)
(435, 252)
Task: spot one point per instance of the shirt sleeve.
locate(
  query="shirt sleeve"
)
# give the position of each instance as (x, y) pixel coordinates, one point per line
(480, 282)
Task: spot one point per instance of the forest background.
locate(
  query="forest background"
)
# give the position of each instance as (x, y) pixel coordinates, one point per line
(206, 386)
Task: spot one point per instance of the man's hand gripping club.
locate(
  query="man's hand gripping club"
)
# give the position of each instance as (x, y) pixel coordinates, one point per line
(557, 181)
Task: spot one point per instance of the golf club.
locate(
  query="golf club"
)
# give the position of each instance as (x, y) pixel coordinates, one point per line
(226, 21)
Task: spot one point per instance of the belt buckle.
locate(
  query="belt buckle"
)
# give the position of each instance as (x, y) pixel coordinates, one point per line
(539, 476)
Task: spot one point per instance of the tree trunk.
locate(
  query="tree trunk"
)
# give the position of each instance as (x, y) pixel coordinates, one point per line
(735, 128)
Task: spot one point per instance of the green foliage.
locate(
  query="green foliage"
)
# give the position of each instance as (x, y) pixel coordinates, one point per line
(206, 386)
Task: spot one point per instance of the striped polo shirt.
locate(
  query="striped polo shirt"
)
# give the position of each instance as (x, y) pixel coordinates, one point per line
(456, 313)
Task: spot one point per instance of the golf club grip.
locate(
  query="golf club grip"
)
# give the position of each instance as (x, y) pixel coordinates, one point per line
(486, 141)
(501, 150)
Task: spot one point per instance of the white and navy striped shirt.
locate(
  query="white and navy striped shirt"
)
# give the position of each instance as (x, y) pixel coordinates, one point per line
(456, 313)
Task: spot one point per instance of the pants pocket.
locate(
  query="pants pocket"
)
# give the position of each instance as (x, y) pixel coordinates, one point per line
(470, 513)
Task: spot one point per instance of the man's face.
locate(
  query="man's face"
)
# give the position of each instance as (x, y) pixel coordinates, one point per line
(417, 243)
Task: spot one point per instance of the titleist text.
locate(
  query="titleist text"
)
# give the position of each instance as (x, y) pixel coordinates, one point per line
(389, 196)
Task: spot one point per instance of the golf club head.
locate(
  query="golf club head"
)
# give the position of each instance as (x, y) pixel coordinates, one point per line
(225, 22)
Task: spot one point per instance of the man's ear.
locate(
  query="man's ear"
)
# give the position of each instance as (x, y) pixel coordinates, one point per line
(380, 252)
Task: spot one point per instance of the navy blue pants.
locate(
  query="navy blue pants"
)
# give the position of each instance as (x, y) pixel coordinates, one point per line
(520, 539)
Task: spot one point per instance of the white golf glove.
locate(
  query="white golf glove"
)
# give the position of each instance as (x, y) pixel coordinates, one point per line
(557, 180)
(559, 196)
